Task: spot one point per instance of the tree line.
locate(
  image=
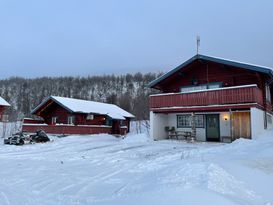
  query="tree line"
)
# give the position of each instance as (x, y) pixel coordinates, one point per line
(128, 91)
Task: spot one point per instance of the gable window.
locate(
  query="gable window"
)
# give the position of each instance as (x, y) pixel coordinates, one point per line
(208, 86)
(90, 117)
(267, 93)
(53, 120)
(71, 120)
(184, 121)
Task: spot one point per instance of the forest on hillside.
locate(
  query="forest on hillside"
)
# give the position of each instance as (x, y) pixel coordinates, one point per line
(129, 91)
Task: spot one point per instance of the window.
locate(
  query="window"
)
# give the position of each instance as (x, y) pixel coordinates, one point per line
(184, 121)
(53, 120)
(267, 93)
(71, 120)
(122, 123)
(90, 117)
(191, 88)
(108, 121)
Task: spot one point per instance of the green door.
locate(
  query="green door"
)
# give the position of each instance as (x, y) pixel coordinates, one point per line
(212, 127)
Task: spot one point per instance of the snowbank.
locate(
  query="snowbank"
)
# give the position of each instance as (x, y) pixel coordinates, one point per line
(102, 169)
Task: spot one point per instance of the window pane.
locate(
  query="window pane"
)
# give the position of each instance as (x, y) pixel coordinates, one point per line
(184, 121)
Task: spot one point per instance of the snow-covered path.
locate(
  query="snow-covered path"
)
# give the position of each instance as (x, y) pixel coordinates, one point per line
(101, 169)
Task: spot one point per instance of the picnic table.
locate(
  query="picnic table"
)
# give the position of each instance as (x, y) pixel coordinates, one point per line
(179, 135)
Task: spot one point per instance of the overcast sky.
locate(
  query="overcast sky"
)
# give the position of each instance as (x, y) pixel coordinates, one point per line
(93, 37)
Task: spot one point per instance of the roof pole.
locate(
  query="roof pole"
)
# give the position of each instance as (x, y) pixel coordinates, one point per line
(197, 44)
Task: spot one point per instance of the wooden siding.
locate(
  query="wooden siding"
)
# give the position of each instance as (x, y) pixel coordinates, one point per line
(55, 110)
(82, 124)
(67, 129)
(207, 98)
(32, 121)
(209, 72)
(241, 125)
(2, 111)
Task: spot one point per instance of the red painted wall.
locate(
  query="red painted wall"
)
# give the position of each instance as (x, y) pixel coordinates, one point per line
(2, 111)
(52, 109)
(208, 72)
(55, 110)
(211, 72)
(66, 129)
(215, 97)
(32, 121)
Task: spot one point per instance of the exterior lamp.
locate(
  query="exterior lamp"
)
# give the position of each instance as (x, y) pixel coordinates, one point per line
(226, 117)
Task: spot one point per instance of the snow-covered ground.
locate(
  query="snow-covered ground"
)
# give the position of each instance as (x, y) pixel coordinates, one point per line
(102, 169)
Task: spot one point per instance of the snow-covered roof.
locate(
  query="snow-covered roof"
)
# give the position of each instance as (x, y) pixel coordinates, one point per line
(3, 102)
(84, 106)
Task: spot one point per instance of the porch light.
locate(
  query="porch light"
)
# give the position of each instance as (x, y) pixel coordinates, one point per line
(226, 117)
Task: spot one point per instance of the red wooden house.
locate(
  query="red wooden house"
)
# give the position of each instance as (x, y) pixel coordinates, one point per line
(60, 115)
(3, 106)
(229, 99)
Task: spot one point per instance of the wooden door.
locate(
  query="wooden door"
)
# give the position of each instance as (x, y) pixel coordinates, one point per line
(115, 127)
(212, 127)
(241, 125)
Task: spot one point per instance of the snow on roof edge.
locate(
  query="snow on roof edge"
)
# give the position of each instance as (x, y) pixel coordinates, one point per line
(86, 106)
(3, 102)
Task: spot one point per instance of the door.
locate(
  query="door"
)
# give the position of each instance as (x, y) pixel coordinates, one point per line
(115, 127)
(241, 125)
(212, 127)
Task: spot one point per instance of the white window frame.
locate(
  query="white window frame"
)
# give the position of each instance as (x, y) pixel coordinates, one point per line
(54, 120)
(90, 117)
(267, 93)
(184, 121)
(71, 120)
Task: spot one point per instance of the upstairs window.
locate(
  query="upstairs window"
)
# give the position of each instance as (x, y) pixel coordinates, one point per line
(191, 88)
(267, 93)
(71, 120)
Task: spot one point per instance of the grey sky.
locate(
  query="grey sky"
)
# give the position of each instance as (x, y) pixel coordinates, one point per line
(92, 37)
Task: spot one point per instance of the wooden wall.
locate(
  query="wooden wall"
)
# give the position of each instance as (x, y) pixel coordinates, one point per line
(67, 129)
(217, 97)
(55, 110)
(211, 72)
(52, 109)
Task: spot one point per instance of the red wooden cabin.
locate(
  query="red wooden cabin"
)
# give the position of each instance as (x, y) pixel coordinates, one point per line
(229, 99)
(62, 115)
(3, 106)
